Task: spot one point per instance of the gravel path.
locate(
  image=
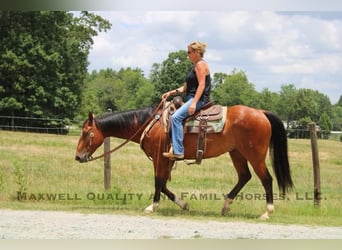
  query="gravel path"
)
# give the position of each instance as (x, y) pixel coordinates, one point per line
(68, 225)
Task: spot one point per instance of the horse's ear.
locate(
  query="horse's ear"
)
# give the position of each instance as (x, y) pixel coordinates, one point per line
(91, 117)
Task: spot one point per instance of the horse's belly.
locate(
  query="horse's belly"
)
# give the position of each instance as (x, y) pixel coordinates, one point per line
(215, 145)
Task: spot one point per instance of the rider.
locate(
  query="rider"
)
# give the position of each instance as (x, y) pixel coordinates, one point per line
(197, 88)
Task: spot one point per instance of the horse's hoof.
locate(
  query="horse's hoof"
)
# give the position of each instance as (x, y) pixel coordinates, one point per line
(148, 211)
(269, 210)
(186, 206)
(264, 216)
(226, 206)
(151, 208)
(224, 211)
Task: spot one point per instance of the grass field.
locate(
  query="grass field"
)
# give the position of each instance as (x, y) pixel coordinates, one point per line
(38, 171)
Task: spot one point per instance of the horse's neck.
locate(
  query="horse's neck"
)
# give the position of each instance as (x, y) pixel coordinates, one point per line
(125, 125)
(122, 134)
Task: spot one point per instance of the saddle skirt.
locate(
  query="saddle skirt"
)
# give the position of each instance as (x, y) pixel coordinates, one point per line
(214, 115)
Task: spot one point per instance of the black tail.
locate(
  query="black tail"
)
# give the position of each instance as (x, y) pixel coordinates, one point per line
(278, 153)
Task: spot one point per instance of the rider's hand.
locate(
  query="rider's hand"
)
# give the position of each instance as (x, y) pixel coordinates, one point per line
(192, 108)
(166, 95)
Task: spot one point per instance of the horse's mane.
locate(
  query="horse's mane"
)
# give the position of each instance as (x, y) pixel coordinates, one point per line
(123, 119)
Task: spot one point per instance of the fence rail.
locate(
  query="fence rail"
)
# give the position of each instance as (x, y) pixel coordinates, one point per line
(34, 124)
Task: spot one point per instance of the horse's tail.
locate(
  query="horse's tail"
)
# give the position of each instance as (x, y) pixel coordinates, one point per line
(278, 153)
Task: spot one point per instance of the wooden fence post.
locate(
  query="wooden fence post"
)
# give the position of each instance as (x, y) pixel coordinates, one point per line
(107, 165)
(315, 161)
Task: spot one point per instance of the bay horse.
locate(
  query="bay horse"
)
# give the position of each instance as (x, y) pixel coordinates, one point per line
(247, 136)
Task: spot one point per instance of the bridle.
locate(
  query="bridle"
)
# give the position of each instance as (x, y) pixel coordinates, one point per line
(91, 134)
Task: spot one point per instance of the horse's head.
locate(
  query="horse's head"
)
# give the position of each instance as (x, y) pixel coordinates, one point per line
(91, 138)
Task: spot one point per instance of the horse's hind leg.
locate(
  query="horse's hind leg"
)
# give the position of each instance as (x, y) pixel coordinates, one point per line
(244, 175)
(266, 180)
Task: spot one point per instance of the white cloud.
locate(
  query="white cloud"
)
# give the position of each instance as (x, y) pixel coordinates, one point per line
(327, 64)
(272, 48)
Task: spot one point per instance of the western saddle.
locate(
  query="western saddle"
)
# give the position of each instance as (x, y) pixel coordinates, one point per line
(209, 119)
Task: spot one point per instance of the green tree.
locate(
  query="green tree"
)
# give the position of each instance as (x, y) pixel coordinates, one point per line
(286, 107)
(339, 103)
(218, 79)
(118, 91)
(267, 100)
(236, 89)
(336, 118)
(324, 105)
(306, 105)
(137, 91)
(144, 94)
(325, 125)
(304, 122)
(43, 61)
(98, 93)
(336, 115)
(170, 74)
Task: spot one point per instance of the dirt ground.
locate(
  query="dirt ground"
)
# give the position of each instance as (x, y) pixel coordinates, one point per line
(15, 224)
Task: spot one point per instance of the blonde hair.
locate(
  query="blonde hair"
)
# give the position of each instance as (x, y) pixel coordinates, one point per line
(198, 47)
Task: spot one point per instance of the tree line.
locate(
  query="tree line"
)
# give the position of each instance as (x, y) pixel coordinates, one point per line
(129, 89)
(43, 73)
(43, 62)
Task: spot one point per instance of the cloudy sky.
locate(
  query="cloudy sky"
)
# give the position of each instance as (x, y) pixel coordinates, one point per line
(272, 47)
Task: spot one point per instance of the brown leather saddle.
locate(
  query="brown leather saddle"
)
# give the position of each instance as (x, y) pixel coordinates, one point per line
(209, 119)
(208, 113)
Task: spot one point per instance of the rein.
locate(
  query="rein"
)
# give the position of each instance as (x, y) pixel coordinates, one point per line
(154, 114)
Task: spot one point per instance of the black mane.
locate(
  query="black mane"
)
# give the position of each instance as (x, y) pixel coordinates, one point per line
(123, 119)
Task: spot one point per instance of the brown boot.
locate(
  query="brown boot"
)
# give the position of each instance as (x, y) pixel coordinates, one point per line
(173, 156)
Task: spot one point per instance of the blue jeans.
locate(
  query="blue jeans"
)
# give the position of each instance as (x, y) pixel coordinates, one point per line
(177, 125)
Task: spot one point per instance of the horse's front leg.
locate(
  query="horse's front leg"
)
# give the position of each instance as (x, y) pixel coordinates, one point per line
(158, 184)
(160, 178)
(163, 173)
(182, 204)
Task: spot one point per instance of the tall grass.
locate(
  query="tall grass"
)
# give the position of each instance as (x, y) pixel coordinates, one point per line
(38, 171)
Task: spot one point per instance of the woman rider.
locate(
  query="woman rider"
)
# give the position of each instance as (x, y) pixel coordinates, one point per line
(197, 88)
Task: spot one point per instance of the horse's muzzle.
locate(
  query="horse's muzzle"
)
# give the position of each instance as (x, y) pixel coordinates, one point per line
(81, 160)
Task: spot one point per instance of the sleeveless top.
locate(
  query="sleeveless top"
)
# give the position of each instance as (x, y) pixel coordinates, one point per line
(192, 84)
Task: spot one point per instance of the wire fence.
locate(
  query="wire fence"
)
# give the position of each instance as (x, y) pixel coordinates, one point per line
(33, 124)
(298, 133)
(65, 126)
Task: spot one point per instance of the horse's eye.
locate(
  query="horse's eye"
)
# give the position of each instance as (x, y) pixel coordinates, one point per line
(84, 134)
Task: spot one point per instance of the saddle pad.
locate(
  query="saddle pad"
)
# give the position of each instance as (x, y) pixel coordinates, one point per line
(212, 113)
(213, 125)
